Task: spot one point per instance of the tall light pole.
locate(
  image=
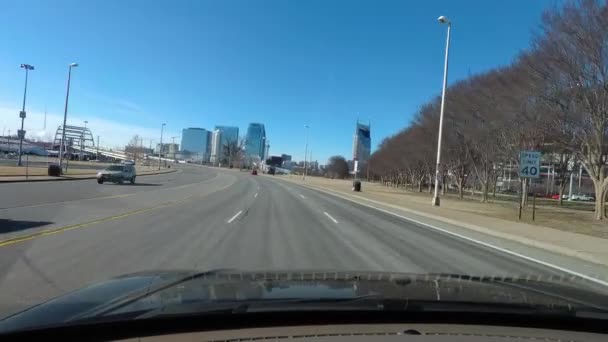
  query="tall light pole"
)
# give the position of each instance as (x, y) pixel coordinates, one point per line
(442, 20)
(21, 132)
(305, 152)
(65, 115)
(161, 143)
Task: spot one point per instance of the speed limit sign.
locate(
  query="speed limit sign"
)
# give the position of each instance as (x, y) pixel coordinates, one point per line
(529, 164)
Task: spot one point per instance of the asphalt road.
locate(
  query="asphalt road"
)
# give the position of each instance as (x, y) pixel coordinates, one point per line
(205, 218)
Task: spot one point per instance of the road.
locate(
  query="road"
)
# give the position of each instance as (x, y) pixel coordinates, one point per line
(206, 218)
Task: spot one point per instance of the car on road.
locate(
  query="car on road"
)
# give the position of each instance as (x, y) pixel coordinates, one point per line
(254, 172)
(117, 174)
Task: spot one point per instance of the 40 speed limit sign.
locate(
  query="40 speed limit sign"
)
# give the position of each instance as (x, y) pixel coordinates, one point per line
(529, 164)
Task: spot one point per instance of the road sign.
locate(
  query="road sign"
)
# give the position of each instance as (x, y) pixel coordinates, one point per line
(529, 164)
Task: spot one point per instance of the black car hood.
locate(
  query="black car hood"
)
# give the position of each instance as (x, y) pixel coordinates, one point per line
(136, 295)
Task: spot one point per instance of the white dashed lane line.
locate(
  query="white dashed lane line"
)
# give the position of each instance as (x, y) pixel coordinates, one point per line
(235, 216)
(330, 217)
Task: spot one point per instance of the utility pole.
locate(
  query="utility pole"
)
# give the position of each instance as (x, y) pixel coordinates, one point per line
(443, 20)
(65, 115)
(21, 132)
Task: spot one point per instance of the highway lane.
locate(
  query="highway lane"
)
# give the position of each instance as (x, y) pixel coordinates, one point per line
(235, 220)
(39, 193)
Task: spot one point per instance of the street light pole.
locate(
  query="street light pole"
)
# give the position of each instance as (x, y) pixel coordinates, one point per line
(161, 143)
(442, 20)
(65, 115)
(305, 152)
(27, 68)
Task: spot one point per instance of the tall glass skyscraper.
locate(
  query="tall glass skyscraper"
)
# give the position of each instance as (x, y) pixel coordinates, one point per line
(255, 141)
(194, 141)
(362, 143)
(228, 134)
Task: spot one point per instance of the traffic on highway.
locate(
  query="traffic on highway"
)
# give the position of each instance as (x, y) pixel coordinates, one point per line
(280, 170)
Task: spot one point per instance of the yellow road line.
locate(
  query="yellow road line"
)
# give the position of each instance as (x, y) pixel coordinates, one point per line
(52, 231)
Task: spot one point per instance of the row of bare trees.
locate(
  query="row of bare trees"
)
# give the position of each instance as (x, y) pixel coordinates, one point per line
(552, 98)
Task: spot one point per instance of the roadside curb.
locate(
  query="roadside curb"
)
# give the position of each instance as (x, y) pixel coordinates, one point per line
(2, 181)
(511, 237)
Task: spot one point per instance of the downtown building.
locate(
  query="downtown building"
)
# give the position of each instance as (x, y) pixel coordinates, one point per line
(255, 142)
(220, 138)
(361, 144)
(195, 144)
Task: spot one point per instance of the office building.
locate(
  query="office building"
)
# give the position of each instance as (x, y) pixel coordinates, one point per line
(229, 134)
(255, 141)
(362, 143)
(168, 150)
(215, 156)
(194, 143)
(209, 142)
(286, 157)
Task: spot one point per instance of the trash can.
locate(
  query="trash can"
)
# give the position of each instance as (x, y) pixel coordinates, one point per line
(54, 170)
(356, 185)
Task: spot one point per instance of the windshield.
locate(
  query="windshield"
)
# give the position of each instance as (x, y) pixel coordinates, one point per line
(376, 138)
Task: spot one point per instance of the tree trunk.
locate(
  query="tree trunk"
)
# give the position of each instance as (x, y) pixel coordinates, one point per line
(599, 200)
(460, 188)
(473, 186)
(484, 190)
(562, 187)
(430, 183)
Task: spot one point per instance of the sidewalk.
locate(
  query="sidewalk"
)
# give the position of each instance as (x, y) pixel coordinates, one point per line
(568, 232)
(87, 175)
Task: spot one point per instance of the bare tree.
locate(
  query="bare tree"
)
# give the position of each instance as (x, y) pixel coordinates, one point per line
(337, 167)
(234, 152)
(571, 55)
(133, 149)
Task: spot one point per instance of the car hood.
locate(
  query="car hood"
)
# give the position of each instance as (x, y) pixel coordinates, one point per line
(150, 294)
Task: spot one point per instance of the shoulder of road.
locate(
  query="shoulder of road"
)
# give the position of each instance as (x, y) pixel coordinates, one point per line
(585, 247)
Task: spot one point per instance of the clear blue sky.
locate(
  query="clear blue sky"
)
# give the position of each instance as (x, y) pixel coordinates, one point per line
(283, 63)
